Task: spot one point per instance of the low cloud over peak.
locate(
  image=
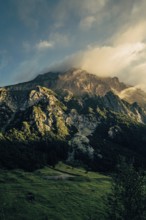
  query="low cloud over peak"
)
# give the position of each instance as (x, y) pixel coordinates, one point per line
(120, 60)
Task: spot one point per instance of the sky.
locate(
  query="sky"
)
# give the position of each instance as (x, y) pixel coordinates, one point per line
(104, 37)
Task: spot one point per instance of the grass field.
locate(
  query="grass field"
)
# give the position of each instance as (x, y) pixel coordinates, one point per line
(62, 193)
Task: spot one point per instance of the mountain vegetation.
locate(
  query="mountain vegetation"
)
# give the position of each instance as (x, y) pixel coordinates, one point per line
(127, 199)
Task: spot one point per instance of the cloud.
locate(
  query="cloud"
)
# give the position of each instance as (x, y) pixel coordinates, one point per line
(132, 33)
(105, 60)
(87, 22)
(44, 45)
(124, 50)
(25, 12)
(80, 9)
(137, 75)
(128, 20)
(119, 29)
(31, 12)
(55, 40)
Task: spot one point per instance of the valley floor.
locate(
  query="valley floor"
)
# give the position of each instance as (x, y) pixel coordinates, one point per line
(63, 193)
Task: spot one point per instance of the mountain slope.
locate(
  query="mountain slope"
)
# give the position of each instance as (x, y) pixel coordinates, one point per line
(77, 108)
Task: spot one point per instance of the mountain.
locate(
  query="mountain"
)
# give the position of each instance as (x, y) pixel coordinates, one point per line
(94, 116)
(77, 81)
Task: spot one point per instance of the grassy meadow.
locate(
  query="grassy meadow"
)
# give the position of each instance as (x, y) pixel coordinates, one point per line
(63, 193)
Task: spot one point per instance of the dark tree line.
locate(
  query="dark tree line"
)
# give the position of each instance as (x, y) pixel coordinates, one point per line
(32, 155)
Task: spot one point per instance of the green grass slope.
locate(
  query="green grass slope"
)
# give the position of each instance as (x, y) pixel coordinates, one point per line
(63, 193)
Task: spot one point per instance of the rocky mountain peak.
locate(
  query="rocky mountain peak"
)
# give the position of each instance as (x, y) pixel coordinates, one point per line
(77, 82)
(80, 82)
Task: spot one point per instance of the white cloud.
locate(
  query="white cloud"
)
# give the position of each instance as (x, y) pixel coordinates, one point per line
(137, 75)
(55, 40)
(123, 61)
(106, 60)
(44, 45)
(131, 34)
